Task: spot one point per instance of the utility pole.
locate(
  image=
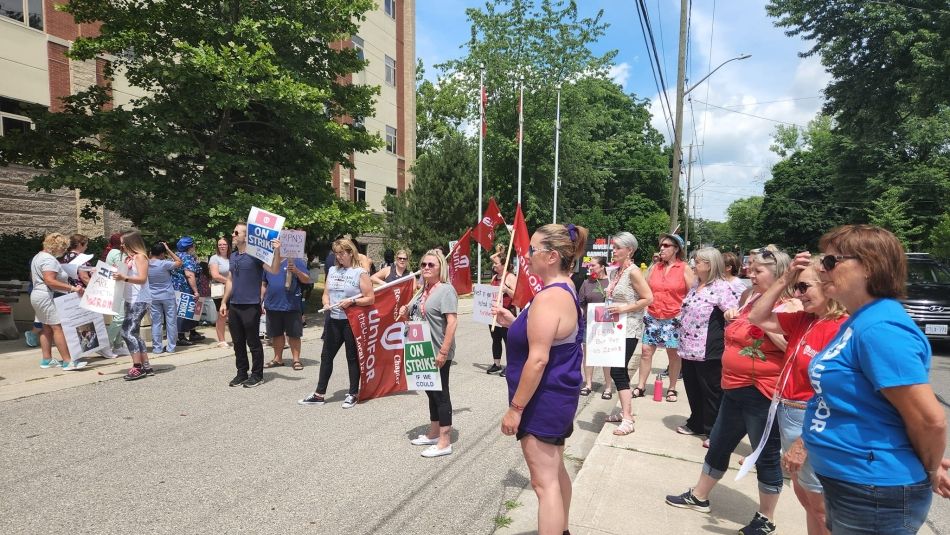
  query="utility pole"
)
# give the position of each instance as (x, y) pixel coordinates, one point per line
(678, 125)
(689, 175)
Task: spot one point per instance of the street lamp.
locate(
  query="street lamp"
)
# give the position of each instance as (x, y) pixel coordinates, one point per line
(678, 133)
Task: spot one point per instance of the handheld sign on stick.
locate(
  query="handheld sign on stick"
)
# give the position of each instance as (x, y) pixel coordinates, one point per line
(504, 275)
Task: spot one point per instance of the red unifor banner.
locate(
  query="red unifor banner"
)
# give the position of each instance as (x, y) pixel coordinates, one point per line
(484, 232)
(379, 340)
(528, 283)
(460, 262)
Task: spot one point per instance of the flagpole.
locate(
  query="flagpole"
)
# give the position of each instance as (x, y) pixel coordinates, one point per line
(557, 141)
(481, 143)
(520, 134)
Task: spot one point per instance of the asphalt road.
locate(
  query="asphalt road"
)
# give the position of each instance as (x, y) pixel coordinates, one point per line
(182, 452)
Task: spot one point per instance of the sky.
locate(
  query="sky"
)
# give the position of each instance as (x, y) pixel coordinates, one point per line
(733, 114)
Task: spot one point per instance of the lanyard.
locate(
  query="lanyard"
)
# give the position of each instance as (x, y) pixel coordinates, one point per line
(425, 297)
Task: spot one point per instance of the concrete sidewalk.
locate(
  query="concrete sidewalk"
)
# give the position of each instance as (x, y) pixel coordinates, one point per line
(623, 481)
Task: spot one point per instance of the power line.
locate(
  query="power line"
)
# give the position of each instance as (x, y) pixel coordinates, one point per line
(651, 46)
(771, 101)
(751, 115)
(659, 91)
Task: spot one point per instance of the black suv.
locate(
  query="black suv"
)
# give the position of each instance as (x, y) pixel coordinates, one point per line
(928, 295)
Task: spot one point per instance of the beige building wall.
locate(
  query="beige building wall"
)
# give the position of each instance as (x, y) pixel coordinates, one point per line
(24, 71)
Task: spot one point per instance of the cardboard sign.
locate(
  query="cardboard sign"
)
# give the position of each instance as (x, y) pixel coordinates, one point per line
(293, 244)
(76, 265)
(262, 228)
(421, 371)
(103, 292)
(606, 337)
(483, 295)
(84, 329)
(189, 306)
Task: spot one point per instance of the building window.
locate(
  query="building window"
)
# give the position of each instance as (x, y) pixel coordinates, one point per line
(390, 192)
(359, 190)
(390, 71)
(358, 46)
(390, 7)
(390, 139)
(28, 12)
(10, 117)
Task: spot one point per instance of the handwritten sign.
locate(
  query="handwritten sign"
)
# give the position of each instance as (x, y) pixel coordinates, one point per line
(421, 371)
(482, 297)
(292, 244)
(84, 329)
(605, 337)
(103, 292)
(263, 227)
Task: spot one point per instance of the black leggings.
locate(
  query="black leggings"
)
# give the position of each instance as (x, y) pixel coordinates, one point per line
(338, 333)
(244, 325)
(499, 336)
(440, 403)
(621, 376)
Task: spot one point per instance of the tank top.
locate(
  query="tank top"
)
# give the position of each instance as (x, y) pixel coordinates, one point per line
(137, 293)
(550, 412)
(624, 293)
(392, 274)
(343, 283)
(505, 298)
(669, 290)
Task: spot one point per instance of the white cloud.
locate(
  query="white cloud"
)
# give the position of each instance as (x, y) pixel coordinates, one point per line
(619, 73)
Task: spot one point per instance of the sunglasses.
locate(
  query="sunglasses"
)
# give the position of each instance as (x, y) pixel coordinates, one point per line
(801, 287)
(665, 245)
(430, 265)
(532, 250)
(235, 233)
(401, 258)
(830, 261)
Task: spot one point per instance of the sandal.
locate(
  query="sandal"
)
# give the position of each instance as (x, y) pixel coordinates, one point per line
(607, 395)
(638, 392)
(298, 365)
(625, 428)
(671, 396)
(274, 364)
(585, 391)
(615, 418)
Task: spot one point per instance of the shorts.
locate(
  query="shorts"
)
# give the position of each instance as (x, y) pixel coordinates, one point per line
(281, 322)
(790, 421)
(554, 441)
(661, 333)
(44, 307)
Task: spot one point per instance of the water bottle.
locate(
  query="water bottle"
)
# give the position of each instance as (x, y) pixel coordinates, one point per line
(658, 389)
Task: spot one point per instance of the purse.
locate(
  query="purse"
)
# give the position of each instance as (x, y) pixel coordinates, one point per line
(217, 290)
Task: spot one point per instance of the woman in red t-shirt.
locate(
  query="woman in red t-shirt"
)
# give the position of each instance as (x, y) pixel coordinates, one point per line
(808, 332)
(751, 364)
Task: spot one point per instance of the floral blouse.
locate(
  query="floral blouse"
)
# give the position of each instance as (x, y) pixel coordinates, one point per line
(703, 322)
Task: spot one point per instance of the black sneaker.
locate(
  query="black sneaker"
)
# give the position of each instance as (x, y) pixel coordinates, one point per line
(688, 501)
(238, 380)
(253, 381)
(196, 337)
(760, 525)
(494, 368)
(148, 370)
(312, 399)
(184, 342)
(503, 370)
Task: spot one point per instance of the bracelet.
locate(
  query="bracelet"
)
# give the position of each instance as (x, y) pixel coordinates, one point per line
(515, 406)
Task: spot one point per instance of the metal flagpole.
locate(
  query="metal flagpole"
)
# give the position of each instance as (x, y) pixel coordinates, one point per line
(520, 134)
(557, 141)
(481, 143)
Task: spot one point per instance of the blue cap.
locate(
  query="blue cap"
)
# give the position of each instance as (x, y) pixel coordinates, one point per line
(185, 243)
(675, 237)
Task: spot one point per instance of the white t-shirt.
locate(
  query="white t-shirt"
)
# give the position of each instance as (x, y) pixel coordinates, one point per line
(44, 261)
(137, 293)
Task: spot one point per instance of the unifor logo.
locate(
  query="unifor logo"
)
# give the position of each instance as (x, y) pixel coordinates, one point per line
(936, 308)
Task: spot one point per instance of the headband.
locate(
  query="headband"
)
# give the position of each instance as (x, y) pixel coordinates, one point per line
(571, 231)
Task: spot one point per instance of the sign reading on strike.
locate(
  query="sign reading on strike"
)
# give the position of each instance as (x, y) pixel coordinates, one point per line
(263, 227)
(189, 306)
(421, 371)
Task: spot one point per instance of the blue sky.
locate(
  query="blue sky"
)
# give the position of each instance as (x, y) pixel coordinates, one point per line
(747, 99)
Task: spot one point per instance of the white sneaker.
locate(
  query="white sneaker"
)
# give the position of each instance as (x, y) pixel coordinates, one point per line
(423, 440)
(435, 451)
(74, 365)
(349, 401)
(108, 353)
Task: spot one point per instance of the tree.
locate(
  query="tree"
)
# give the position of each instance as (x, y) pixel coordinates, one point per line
(891, 212)
(245, 101)
(742, 216)
(940, 238)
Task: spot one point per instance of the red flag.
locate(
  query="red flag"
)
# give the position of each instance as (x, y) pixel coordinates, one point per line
(379, 341)
(460, 261)
(485, 230)
(484, 106)
(528, 283)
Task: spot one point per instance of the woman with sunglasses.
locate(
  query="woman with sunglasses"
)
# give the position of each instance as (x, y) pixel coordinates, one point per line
(874, 432)
(544, 370)
(751, 364)
(437, 305)
(394, 271)
(808, 332)
(347, 285)
(669, 280)
(138, 300)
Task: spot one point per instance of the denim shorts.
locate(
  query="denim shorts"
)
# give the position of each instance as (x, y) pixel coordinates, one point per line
(866, 509)
(790, 421)
(661, 333)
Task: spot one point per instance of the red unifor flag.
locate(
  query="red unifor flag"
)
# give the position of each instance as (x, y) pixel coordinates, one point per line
(460, 261)
(484, 232)
(379, 340)
(484, 107)
(528, 283)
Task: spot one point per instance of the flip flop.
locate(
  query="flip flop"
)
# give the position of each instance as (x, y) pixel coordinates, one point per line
(585, 391)
(274, 364)
(298, 365)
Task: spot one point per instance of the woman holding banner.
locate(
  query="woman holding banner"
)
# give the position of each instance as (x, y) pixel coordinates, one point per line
(138, 299)
(347, 284)
(48, 276)
(499, 334)
(544, 376)
(437, 305)
(394, 271)
(594, 290)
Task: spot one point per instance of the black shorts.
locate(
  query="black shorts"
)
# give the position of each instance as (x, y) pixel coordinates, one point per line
(555, 441)
(280, 323)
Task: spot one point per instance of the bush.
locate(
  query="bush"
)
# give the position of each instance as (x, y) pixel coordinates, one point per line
(17, 250)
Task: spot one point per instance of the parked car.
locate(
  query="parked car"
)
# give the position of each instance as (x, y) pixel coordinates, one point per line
(928, 295)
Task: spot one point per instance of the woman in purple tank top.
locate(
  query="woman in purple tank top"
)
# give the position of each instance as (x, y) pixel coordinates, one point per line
(544, 370)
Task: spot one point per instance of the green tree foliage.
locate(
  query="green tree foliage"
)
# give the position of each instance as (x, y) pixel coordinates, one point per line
(743, 220)
(940, 237)
(245, 106)
(890, 211)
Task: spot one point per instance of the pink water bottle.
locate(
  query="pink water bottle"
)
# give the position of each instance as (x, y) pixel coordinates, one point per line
(658, 389)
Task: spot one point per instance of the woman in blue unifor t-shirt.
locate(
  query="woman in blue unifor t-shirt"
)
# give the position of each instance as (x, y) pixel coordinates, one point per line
(874, 430)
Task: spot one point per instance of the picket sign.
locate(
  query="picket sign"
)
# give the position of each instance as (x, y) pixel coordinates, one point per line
(263, 227)
(419, 359)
